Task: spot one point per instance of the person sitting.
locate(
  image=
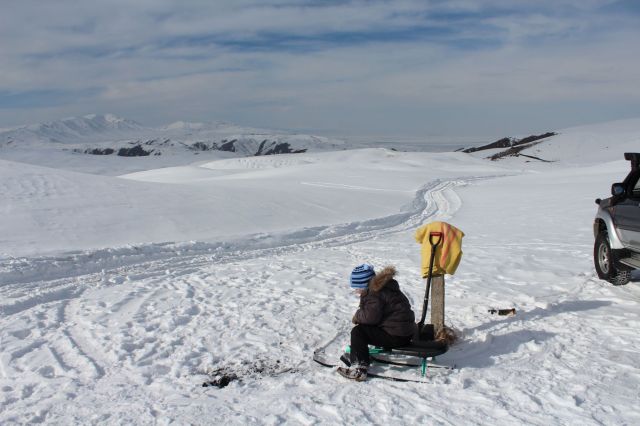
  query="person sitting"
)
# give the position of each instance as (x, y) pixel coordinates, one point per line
(384, 317)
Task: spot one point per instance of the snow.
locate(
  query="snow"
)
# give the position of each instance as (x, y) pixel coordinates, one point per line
(119, 292)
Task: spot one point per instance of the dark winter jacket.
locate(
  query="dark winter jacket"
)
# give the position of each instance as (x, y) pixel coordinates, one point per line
(384, 305)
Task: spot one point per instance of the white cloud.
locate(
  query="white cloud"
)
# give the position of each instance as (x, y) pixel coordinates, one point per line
(157, 58)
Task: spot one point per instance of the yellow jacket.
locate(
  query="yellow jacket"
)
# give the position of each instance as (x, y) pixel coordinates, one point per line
(448, 252)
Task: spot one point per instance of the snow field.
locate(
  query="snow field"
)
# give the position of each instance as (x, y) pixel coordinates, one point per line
(124, 334)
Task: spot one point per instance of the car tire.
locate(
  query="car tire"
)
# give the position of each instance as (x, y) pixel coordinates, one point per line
(606, 267)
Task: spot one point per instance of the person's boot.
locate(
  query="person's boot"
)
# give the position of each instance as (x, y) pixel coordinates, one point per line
(356, 372)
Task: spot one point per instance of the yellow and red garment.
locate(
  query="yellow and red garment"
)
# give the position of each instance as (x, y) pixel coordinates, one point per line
(448, 252)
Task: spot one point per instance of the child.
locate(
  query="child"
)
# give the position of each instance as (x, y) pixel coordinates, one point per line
(384, 317)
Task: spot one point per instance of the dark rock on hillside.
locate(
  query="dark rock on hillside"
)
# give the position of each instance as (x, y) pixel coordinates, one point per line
(510, 142)
(201, 146)
(261, 147)
(501, 143)
(136, 151)
(95, 151)
(98, 151)
(228, 146)
(515, 152)
(277, 148)
(536, 138)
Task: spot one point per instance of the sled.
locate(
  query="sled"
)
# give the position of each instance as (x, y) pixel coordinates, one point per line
(389, 369)
(426, 351)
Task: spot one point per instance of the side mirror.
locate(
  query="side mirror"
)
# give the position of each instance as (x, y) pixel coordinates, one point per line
(617, 189)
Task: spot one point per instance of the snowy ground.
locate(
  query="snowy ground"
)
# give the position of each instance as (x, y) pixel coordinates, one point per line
(117, 294)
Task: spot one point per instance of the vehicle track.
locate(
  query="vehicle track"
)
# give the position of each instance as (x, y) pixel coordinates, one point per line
(436, 199)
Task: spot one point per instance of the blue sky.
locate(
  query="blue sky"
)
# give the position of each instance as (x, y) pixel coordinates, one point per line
(388, 68)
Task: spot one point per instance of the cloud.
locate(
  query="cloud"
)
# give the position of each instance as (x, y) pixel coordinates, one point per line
(42, 98)
(283, 63)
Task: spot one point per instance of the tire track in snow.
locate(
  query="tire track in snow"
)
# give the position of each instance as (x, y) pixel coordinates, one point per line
(113, 266)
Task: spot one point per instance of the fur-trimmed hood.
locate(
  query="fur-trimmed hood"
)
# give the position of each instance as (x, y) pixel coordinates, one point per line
(382, 278)
(383, 305)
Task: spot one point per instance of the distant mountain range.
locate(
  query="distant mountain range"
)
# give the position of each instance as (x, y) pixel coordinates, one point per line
(109, 135)
(112, 135)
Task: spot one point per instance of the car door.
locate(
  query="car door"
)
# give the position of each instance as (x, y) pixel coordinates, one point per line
(627, 214)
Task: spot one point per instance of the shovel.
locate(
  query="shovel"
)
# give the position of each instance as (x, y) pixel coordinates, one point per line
(425, 331)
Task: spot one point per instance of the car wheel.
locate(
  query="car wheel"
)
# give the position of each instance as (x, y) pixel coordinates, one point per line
(606, 267)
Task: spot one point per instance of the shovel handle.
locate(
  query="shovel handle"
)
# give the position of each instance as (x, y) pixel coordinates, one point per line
(435, 234)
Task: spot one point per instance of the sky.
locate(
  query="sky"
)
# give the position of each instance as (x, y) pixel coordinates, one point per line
(486, 68)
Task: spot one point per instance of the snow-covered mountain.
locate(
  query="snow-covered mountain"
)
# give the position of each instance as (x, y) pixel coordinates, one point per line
(111, 135)
(589, 144)
(92, 127)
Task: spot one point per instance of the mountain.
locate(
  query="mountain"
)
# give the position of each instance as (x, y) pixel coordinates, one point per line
(112, 135)
(91, 127)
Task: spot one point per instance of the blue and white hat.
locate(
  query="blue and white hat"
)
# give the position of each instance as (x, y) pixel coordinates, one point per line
(361, 275)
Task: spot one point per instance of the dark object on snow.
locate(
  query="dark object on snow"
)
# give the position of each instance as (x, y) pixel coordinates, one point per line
(136, 151)
(511, 311)
(616, 252)
(220, 382)
(98, 151)
(222, 376)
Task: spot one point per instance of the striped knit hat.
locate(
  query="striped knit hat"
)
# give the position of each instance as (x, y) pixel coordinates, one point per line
(361, 275)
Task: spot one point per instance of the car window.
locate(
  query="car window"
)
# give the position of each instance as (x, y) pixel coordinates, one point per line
(636, 188)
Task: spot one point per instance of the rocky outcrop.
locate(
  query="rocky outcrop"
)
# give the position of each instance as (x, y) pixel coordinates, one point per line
(277, 148)
(228, 146)
(514, 147)
(98, 151)
(510, 142)
(136, 151)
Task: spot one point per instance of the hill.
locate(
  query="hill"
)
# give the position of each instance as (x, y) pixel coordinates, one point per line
(581, 145)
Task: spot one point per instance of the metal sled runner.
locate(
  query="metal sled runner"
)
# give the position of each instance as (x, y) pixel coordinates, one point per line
(427, 351)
